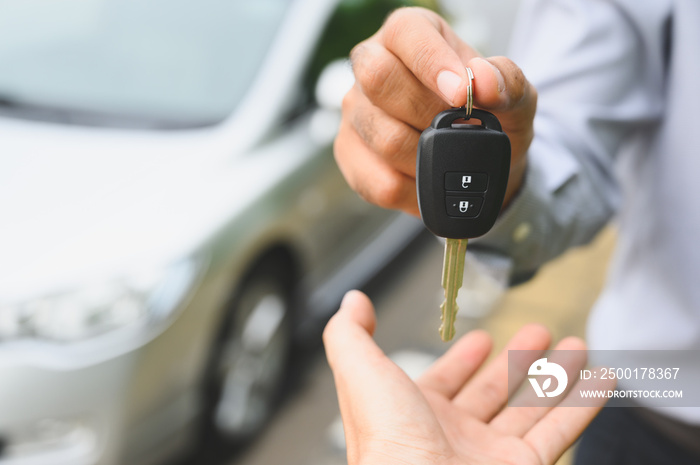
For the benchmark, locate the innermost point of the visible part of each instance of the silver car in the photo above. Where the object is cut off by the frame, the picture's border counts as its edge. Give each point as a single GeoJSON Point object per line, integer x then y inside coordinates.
{"type": "Point", "coordinates": [171, 219]}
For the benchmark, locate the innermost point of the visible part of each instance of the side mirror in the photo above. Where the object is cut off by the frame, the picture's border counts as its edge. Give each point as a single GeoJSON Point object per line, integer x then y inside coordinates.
{"type": "Point", "coordinates": [333, 83]}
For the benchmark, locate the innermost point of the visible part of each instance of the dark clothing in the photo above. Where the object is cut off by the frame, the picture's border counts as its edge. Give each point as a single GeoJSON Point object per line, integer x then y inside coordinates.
{"type": "Point", "coordinates": [622, 436]}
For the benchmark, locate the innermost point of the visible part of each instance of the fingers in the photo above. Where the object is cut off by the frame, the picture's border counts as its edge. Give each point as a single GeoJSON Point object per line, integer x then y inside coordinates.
{"type": "Point", "coordinates": [371, 176]}
{"type": "Point", "coordinates": [552, 435]}
{"type": "Point", "coordinates": [430, 50]}
{"type": "Point", "coordinates": [388, 84]}
{"type": "Point", "coordinates": [434, 56]}
{"type": "Point", "coordinates": [487, 392]}
{"type": "Point", "coordinates": [527, 409]}
{"type": "Point", "coordinates": [357, 364]}
{"type": "Point", "coordinates": [350, 330]}
{"type": "Point", "coordinates": [377, 399]}
{"type": "Point", "coordinates": [499, 84]}
{"type": "Point", "coordinates": [356, 361]}
{"type": "Point", "coordinates": [390, 139]}
{"type": "Point", "coordinates": [449, 373]}
{"type": "Point", "coordinates": [410, 70]}
{"type": "Point", "coordinates": [501, 87]}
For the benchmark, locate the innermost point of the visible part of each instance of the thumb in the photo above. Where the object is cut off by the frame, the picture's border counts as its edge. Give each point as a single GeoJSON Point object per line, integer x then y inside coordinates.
{"type": "Point", "coordinates": [349, 333]}
{"type": "Point", "coordinates": [360, 369]}
{"type": "Point", "coordinates": [500, 85]}
{"type": "Point", "coordinates": [364, 376]}
{"type": "Point", "coordinates": [374, 395]}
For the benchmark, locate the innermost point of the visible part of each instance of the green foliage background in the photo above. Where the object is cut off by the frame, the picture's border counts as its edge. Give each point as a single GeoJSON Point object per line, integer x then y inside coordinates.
{"type": "Point", "coordinates": [354, 21]}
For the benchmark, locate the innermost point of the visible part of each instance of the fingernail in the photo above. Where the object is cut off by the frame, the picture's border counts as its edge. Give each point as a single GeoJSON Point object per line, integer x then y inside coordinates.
{"type": "Point", "coordinates": [497, 72]}
{"type": "Point", "coordinates": [448, 83]}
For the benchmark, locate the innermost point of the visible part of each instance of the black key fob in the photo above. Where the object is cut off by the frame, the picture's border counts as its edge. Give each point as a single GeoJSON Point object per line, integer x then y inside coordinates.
{"type": "Point", "coordinates": [462, 174]}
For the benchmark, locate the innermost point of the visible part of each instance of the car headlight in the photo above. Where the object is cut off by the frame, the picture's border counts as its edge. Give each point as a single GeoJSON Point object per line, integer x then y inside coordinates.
{"type": "Point", "coordinates": [143, 297]}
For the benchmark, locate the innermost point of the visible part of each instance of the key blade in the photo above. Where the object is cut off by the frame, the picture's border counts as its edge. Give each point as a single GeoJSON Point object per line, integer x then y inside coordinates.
{"type": "Point", "coordinates": [452, 276]}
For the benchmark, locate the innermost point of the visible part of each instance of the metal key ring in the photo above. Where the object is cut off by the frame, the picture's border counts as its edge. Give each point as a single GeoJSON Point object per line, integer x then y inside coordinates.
{"type": "Point", "coordinates": [470, 93]}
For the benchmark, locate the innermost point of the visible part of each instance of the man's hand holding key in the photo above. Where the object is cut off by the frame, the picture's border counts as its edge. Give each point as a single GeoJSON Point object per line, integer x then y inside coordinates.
{"type": "Point", "coordinates": [413, 68]}
{"type": "Point", "coordinates": [409, 71]}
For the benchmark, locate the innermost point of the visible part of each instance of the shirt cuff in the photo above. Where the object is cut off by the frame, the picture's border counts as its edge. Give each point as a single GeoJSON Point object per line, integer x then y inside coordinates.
{"type": "Point", "coordinates": [515, 234]}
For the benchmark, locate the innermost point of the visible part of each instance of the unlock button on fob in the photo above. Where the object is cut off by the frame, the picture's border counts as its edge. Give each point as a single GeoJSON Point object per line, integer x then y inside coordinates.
{"type": "Point", "coordinates": [466, 182]}
{"type": "Point", "coordinates": [463, 207]}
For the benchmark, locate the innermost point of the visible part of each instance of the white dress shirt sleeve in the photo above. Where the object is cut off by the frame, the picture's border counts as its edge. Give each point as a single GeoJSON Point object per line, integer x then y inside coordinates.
{"type": "Point", "coordinates": [598, 66]}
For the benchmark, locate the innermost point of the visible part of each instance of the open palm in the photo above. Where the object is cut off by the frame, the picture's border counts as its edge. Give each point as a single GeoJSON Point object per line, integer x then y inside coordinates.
{"type": "Point", "coordinates": [451, 414]}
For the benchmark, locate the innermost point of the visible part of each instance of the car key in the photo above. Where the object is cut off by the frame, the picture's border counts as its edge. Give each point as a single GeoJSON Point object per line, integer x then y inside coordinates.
{"type": "Point", "coordinates": [461, 179]}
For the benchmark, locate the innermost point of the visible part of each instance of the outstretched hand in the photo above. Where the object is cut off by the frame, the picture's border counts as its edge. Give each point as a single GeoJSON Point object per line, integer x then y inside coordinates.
{"type": "Point", "coordinates": [452, 414]}
{"type": "Point", "coordinates": [406, 73]}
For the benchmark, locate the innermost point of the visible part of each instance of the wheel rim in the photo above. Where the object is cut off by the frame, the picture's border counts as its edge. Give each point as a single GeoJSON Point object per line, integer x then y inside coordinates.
{"type": "Point", "coordinates": [252, 361]}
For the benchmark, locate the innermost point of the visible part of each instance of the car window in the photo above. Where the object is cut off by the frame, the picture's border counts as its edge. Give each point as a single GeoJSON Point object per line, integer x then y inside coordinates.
{"type": "Point", "coordinates": [182, 61]}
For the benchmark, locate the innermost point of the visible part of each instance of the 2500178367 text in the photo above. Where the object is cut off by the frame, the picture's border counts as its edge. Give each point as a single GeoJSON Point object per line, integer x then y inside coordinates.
{"type": "Point", "coordinates": [630, 373]}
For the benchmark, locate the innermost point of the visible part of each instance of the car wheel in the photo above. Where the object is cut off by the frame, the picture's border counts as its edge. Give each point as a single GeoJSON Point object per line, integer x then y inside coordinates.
{"type": "Point", "coordinates": [250, 359]}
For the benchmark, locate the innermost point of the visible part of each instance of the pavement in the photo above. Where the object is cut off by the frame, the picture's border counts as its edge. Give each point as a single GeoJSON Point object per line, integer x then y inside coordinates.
{"type": "Point", "coordinates": [308, 431]}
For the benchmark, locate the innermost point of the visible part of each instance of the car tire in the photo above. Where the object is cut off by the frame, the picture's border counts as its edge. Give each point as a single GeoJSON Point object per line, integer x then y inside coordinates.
{"type": "Point", "coordinates": [250, 359]}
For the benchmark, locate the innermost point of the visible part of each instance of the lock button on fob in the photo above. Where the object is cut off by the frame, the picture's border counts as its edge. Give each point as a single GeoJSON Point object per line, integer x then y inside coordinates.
{"type": "Point", "coordinates": [463, 207]}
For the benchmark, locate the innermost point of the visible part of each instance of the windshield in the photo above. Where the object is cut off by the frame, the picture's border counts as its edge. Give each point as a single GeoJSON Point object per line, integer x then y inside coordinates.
{"type": "Point", "coordinates": [179, 61]}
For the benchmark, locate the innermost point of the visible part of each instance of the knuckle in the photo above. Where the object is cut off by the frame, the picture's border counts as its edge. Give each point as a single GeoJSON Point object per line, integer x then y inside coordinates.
{"type": "Point", "coordinates": [405, 17]}
{"type": "Point", "coordinates": [361, 189]}
{"type": "Point", "coordinates": [372, 70]}
{"type": "Point", "coordinates": [391, 144]}
{"type": "Point", "coordinates": [357, 53]}
{"type": "Point", "coordinates": [409, 25]}
{"type": "Point", "coordinates": [425, 56]}
{"type": "Point", "coordinates": [384, 188]}
{"type": "Point", "coordinates": [365, 127]}
{"type": "Point", "coordinates": [353, 179]}
{"type": "Point", "coordinates": [348, 102]}
{"type": "Point", "coordinates": [424, 109]}
{"type": "Point", "coordinates": [398, 19]}
{"type": "Point", "coordinates": [388, 192]}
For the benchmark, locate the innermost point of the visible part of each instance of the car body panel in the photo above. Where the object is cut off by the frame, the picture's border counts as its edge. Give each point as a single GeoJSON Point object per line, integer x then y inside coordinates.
{"type": "Point", "coordinates": [82, 205]}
